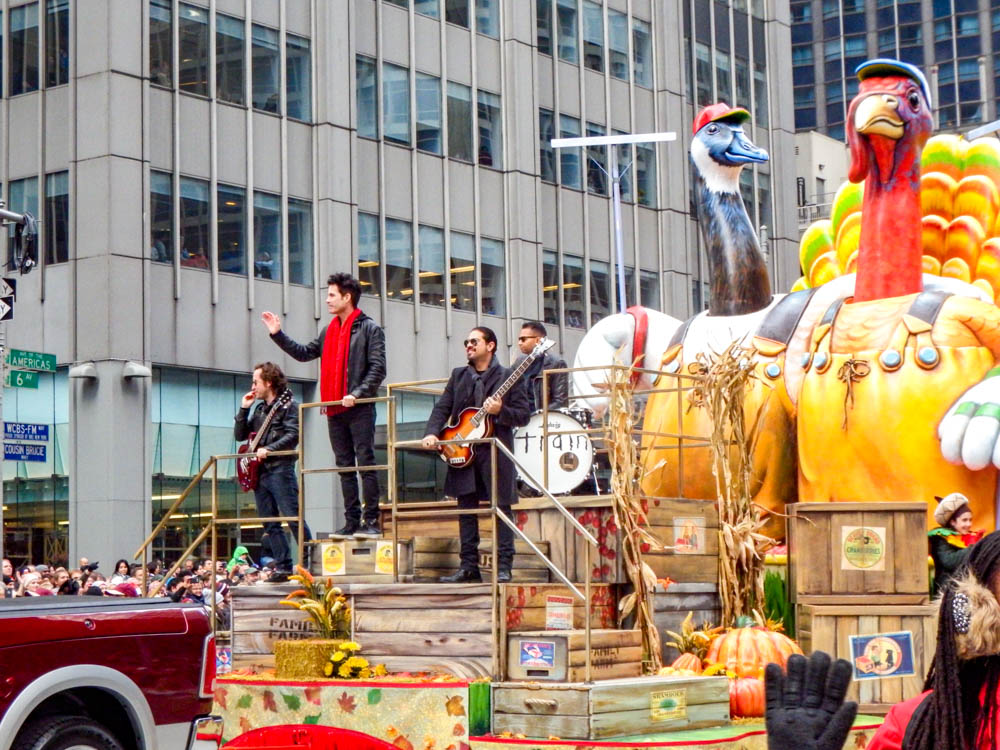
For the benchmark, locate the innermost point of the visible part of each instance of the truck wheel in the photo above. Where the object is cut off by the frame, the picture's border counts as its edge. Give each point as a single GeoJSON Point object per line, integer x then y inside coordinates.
{"type": "Point", "coordinates": [66, 733]}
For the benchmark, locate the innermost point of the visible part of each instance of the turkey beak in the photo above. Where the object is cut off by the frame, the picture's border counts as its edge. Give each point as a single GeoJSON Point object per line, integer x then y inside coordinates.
{"type": "Point", "coordinates": [877, 115]}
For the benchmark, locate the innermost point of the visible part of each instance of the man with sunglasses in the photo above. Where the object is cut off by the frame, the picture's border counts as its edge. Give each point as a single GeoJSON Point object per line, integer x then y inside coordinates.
{"type": "Point", "coordinates": [558, 385]}
{"type": "Point", "coordinates": [474, 386]}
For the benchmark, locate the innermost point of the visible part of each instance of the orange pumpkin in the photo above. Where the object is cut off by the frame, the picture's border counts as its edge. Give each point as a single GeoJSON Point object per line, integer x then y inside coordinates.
{"type": "Point", "coordinates": [746, 697]}
{"type": "Point", "coordinates": [746, 651]}
{"type": "Point", "coordinates": [688, 661]}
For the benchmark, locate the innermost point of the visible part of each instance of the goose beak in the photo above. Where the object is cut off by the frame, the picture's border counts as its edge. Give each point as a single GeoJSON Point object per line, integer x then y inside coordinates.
{"type": "Point", "coordinates": [742, 151]}
{"type": "Point", "coordinates": [877, 115]}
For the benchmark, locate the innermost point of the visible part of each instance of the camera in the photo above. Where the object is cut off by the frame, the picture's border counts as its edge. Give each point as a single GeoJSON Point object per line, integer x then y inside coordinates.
{"type": "Point", "coordinates": [91, 567]}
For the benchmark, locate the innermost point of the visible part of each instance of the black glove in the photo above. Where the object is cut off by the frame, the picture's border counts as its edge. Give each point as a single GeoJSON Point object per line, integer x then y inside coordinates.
{"type": "Point", "coordinates": [806, 708]}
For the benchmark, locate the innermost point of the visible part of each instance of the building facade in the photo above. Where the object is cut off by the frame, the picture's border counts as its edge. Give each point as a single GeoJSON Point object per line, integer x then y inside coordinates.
{"type": "Point", "coordinates": [196, 163]}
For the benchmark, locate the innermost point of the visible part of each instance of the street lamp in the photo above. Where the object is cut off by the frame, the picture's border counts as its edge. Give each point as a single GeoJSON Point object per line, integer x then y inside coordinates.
{"type": "Point", "coordinates": [615, 175]}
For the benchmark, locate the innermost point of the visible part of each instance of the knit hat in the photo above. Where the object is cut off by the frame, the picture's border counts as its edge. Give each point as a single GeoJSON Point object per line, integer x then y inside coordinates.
{"type": "Point", "coordinates": [949, 506]}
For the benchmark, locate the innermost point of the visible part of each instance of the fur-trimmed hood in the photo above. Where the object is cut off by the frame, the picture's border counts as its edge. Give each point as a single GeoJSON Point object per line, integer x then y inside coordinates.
{"type": "Point", "coordinates": [983, 636]}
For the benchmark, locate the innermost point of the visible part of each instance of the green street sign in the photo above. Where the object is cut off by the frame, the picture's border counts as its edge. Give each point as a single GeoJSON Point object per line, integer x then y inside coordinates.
{"type": "Point", "coordinates": [31, 360]}
{"type": "Point", "coordinates": [20, 379]}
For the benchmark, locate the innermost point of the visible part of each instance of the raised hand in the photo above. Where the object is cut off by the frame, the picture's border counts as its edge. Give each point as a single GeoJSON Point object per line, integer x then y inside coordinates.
{"type": "Point", "coordinates": [805, 709]}
{"type": "Point", "coordinates": [248, 399]}
{"type": "Point", "coordinates": [272, 321]}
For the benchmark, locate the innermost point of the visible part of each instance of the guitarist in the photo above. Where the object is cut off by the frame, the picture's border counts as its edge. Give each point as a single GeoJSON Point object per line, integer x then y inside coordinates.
{"type": "Point", "coordinates": [277, 491]}
{"type": "Point", "coordinates": [473, 386]}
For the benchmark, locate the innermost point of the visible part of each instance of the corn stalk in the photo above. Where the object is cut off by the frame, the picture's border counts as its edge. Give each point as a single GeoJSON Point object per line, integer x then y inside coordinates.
{"type": "Point", "coordinates": [630, 517]}
{"type": "Point", "coordinates": [722, 385]}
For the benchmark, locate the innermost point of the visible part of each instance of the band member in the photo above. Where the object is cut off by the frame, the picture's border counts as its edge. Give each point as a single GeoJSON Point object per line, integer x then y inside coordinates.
{"type": "Point", "coordinates": [474, 386]}
{"type": "Point", "coordinates": [277, 492]}
{"type": "Point", "coordinates": [352, 367]}
{"type": "Point", "coordinates": [531, 333]}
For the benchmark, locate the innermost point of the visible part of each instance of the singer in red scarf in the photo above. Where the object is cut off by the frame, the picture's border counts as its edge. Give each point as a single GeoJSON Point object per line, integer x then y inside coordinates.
{"type": "Point", "coordinates": [351, 350]}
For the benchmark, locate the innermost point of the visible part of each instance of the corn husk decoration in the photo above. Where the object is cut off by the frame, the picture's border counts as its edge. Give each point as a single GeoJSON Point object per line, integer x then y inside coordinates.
{"type": "Point", "coordinates": [722, 383]}
{"type": "Point", "coordinates": [323, 602]}
{"type": "Point", "coordinates": [626, 474]}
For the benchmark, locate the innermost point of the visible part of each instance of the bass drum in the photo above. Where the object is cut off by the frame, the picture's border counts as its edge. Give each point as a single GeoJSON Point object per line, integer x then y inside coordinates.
{"type": "Point", "coordinates": [569, 457]}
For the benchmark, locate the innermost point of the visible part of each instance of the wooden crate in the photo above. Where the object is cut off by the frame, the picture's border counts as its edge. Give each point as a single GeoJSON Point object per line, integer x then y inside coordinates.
{"type": "Point", "coordinates": [610, 708]}
{"type": "Point", "coordinates": [561, 655]}
{"type": "Point", "coordinates": [539, 607]}
{"type": "Point", "coordinates": [672, 604]}
{"type": "Point", "coordinates": [434, 557]}
{"type": "Point", "coordinates": [830, 627]}
{"type": "Point", "coordinates": [840, 553]}
{"type": "Point", "coordinates": [361, 557]}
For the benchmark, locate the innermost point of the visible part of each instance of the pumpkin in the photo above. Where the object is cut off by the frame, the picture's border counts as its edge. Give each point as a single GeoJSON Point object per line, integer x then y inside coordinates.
{"type": "Point", "coordinates": [746, 651]}
{"type": "Point", "coordinates": [746, 697]}
{"type": "Point", "coordinates": [688, 661]}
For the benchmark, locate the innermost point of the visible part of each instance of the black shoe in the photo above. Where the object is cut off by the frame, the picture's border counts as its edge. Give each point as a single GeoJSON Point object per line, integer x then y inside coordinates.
{"type": "Point", "coordinates": [464, 575]}
{"type": "Point", "coordinates": [368, 531]}
{"type": "Point", "coordinates": [503, 576]}
{"type": "Point", "coordinates": [280, 575]}
{"type": "Point", "coordinates": [347, 531]}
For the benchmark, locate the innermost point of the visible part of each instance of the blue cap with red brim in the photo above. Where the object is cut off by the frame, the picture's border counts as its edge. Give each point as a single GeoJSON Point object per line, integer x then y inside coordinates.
{"type": "Point", "coordinates": [884, 66]}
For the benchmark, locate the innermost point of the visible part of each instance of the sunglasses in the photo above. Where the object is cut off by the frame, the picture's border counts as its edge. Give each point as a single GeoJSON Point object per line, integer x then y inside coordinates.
{"type": "Point", "coordinates": [471, 342]}
{"type": "Point", "coordinates": [526, 338]}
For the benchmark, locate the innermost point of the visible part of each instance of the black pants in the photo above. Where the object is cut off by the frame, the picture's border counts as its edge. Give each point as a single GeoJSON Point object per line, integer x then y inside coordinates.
{"type": "Point", "coordinates": [352, 437]}
{"type": "Point", "coordinates": [277, 494]}
{"type": "Point", "coordinates": [468, 530]}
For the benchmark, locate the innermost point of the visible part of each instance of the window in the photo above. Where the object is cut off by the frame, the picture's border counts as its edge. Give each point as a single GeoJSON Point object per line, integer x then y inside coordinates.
{"type": "Point", "coordinates": [229, 37]}
{"type": "Point", "coordinates": [23, 49]}
{"type": "Point", "coordinates": [366, 85]}
{"type": "Point", "coordinates": [428, 113]}
{"type": "Point", "coordinates": [368, 255]}
{"type": "Point", "coordinates": [569, 158]}
{"type": "Point", "coordinates": [488, 17]}
{"type": "Point", "coordinates": [834, 92]}
{"type": "Point", "coordinates": [298, 78]}
{"type": "Point", "coordinates": [625, 170]}
{"type": "Point", "coordinates": [597, 163]}
{"type": "Point", "coordinates": [805, 97]}
{"type": "Point", "coordinates": [593, 36]}
{"type": "Point", "coordinates": [760, 95]}
{"type": "Point", "coordinates": [57, 217]}
{"type": "Point", "coordinates": [300, 242]}
{"type": "Point", "coordinates": [266, 69]}
{"type": "Point", "coordinates": [831, 49]}
{"type": "Point", "coordinates": [645, 175]}
{"type": "Point", "coordinates": [910, 35]}
{"type": "Point", "coordinates": [431, 266]}
{"type": "Point", "coordinates": [192, 69]}
{"type": "Point", "coordinates": [492, 273]}
{"type": "Point", "coordinates": [600, 300]}
{"type": "Point", "coordinates": [23, 197]}
{"type": "Point", "coordinates": [746, 192]}
{"type": "Point", "coordinates": [459, 121]}
{"type": "Point", "coordinates": [463, 271]}
{"type": "Point", "coordinates": [267, 236]}
{"type": "Point", "coordinates": [703, 72]}
{"type": "Point", "coordinates": [56, 42]}
{"type": "Point", "coordinates": [457, 12]}
{"type": "Point", "coordinates": [967, 25]}
{"type": "Point", "coordinates": [232, 232]}
{"type": "Point", "coordinates": [550, 286]}
{"type": "Point", "coordinates": [642, 53]}
{"type": "Point", "coordinates": [802, 55]}
{"type": "Point", "coordinates": [490, 135]}
{"type": "Point", "coordinates": [546, 154]}
{"type": "Point", "coordinates": [854, 46]}
{"type": "Point", "coordinates": [161, 43]}
{"type": "Point", "coordinates": [764, 199]}
{"type": "Point", "coordinates": [968, 70]}
{"type": "Point", "coordinates": [427, 7]}
{"type": "Point", "coordinates": [161, 212]}
{"type": "Point", "coordinates": [942, 30]}
{"type": "Point", "coordinates": [543, 26]}
{"type": "Point", "coordinates": [629, 286]}
{"type": "Point", "coordinates": [572, 290]}
{"type": "Point", "coordinates": [742, 83]}
{"type": "Point", "coordinates": [399, 260]}
{"type": "Point", "coordinates": [649, 289]}
{"type": "Point", "coordinates": [395, 104]}
{"type": "Point", "coordinates": [194, 223]}
{"type": "Point", "coordinates": [566, 19]}
{"type": "Point", "coordinates": [618, 44]}
{"type": "Point", "coordinates": [723, 74]}
{"type": "Point", "coordinates": [802, 12]}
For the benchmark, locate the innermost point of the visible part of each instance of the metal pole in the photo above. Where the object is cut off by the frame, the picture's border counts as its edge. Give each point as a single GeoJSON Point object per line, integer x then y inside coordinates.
{"type": "Point", "coordinates": [3, 368]}
{"type": "Point", "coordinates": [616, 202]}
{"type": "Point", "coordinates": [495, 589]}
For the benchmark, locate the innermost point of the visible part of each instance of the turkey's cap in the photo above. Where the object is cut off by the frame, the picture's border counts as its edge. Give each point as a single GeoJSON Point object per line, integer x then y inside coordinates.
{"type": "Point", "coordinates": [885, 66]}
{"type": "Point", "coordinates": [948, 506]}
{"type": "Point", "coordinates": [716, 112]}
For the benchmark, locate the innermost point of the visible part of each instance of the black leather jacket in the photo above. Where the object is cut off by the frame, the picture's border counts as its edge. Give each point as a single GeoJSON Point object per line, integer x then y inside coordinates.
{"type": "Point", "coordinates": [282, 435]}
{"type": "Point", "coordinates": [365, 360]}
{"type": "Point", "coordinates": [558, 384]}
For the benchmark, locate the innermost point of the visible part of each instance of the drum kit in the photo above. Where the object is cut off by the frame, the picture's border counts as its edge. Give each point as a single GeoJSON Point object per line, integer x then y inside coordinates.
{"type": "Point", "coordinates": [569, 460]}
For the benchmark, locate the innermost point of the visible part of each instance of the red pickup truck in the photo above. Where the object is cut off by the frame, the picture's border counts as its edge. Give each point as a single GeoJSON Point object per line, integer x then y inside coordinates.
{"type": "Point", "coordinates": [86, 673]}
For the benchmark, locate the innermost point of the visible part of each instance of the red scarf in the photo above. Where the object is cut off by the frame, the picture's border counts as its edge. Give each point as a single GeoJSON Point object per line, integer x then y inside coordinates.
{"type": "Point", "coordinates": [333, 365]}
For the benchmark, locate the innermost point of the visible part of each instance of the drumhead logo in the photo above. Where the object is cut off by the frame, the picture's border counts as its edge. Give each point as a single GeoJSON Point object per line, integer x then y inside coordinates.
{"type": "Point", "coordinates": [863, 547]}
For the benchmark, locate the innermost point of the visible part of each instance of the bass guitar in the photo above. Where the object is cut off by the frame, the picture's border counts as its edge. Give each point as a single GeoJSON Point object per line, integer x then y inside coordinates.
{"type": "Point", "coordinates": [474, 423]}
{"type": "Point", "coordinates": [248, 466]}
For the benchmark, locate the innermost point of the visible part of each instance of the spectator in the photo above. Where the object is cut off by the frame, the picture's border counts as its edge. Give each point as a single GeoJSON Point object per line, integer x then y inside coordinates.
{"type": "Point", "coordinates": [29, 584]}
{"type": "Point", "coordinates": [122, 572]}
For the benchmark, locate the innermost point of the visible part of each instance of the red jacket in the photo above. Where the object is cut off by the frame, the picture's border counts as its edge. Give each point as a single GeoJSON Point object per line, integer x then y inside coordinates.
{"type": "Point", "coordinates": [890, 735]}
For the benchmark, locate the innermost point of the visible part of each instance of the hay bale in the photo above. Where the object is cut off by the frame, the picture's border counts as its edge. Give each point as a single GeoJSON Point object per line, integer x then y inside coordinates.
{"type": "Point", "coordinates": [303, 659]}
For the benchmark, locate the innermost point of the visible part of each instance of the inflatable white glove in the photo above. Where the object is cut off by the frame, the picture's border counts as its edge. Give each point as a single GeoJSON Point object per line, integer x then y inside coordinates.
{"type": "Point", "coordinates": [969, 430]}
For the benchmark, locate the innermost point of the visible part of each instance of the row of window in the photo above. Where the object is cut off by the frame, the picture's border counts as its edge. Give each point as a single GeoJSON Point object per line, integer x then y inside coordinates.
{"type": "Point", "coordinates": [29, 58]}
{"type": "Point", "coordinates": [568, 169]}
{"type": "Point", "coordinates": [433, 117]}
{"type": "Point", "coordinates": [234, 216]}
{"type": "Point", "coordinates": [193, 59]}
{"type": "Point", "coordinates": [457, 12]}
{"type": "Point", "coordinates": [485, 291]}
{"type": "Point", "coordinates": [572, 286]}
{"type": "Point", "coordinates": [557, 29]}
{"type": "Point", "coordinates": [23, 196]}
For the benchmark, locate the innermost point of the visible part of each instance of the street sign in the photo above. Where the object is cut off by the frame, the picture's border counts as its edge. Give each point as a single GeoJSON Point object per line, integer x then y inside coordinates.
{"type": "Point", "coordinates": [23, 452]}
{"type": "Point", "coordinates": [20, 379]}
{"type": "Point", "coordinates": [31, 360]}
{"type": "Point", "coordinates": [25, 431]}
{"type": "Point", "coordinates": [6, 308]}
{"type": "Point", "coordinates": [8, 287]}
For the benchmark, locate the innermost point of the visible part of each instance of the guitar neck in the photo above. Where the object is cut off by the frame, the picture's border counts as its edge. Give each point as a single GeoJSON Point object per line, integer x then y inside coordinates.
{"type": "Point", "coordinates": [505, 386]}
{"type": "Point", "coordinates": [267, 423]}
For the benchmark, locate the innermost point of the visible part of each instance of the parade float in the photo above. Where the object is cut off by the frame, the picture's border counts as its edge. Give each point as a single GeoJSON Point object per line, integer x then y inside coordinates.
{"type": "Point", "coordinates": [827, 418]}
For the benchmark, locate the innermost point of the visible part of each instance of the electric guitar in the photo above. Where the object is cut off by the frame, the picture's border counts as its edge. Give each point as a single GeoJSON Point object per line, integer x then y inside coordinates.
{"type": "Point", "coordinates": [474, 422]}
{"type": "Point", "coordinates": [248, 466]}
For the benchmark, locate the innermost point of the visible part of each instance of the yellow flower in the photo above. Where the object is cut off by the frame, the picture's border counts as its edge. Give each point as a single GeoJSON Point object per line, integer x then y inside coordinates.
{"type": "Point", "coordinates": [328, 669]}
{"type": "Point", "coordinates": [337, 656]}
{"type": "Point", "coordinates": [350, 646]}
{"type": "Point", "coordinates": [357, 662]}
{"type": "Point", "coordinates": [380, 670]}
{"type": "Point", "coordinates": [365, 673]}
{"type": "Point", "coordinates": [344, 671]}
